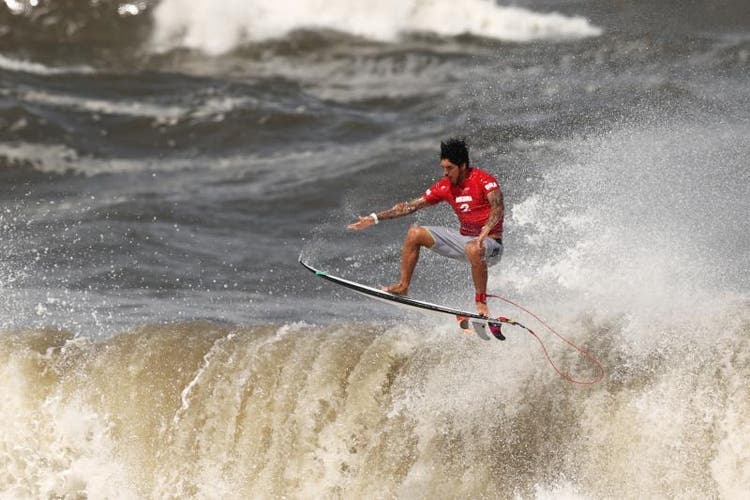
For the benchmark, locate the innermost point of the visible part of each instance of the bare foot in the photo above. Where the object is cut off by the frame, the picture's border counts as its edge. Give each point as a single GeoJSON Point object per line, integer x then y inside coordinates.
{"type": "Point", "coordinates": [482, 309]}
{"type": "Point", "coordinates": [396, 289]}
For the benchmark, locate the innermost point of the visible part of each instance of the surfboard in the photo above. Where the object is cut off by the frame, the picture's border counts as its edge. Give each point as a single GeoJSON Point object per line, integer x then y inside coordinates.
{"type": "Point", "coordinates": [480, 324]}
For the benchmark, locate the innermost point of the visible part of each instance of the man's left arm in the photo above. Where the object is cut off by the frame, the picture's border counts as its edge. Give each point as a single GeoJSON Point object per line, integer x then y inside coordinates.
{"type": "Point", "coordinates": [497, 212]}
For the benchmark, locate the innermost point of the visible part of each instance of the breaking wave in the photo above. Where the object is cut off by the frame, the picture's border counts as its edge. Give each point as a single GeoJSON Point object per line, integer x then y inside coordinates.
{"type": "Point", "coordinates": [217, 27]}
{"type": "Point", "coordinates": [204, 410]}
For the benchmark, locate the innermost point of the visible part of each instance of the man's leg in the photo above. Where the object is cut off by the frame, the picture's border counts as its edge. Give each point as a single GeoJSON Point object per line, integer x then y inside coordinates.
{"type": "Point", "coordinates": [416, 238]}
{"type": "Point", "coordinates": [475, 255]}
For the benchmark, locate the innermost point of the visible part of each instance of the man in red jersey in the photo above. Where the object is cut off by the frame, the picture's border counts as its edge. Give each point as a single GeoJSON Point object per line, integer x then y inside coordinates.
{"type": "Point", "coordinates": [477, 200]}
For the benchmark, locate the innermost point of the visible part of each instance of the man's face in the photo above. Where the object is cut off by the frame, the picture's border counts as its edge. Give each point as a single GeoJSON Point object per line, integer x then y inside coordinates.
{"type": "Point", "coordinates": [452, 171]}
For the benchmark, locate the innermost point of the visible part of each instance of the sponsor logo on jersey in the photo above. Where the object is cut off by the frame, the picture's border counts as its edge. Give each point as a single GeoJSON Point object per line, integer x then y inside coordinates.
{"type": "Point", "coordinates": [463, 199]}
{"type": "Point", "coordinates": [490, 185]}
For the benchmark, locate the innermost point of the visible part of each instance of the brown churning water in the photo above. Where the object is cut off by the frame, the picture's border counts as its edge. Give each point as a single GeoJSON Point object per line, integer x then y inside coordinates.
{"type": "Point", "coordinates": [206, 411]}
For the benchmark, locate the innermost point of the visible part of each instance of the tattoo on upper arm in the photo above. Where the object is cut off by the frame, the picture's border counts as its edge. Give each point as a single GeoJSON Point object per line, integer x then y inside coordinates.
{"type": "Point", "coordinates": [495, 198]}
{"type": "Point", "coordinates": [497, 208]}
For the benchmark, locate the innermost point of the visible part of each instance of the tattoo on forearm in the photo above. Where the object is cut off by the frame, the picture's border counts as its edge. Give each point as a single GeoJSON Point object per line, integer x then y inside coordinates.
{"type": "Point", "coordinates": [403, 208]}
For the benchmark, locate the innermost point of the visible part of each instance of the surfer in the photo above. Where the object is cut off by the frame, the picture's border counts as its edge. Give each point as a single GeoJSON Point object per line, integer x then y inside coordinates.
{"type": "Point", "coordinates": [477, 199]}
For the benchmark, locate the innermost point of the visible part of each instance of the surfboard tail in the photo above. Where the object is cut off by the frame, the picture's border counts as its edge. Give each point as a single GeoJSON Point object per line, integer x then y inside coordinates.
{"type": "Point", "coordinates": [480, 327]}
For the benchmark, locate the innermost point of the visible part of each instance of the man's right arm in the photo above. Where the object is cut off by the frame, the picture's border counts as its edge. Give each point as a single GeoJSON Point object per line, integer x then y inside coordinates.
{"type": "Point", "coordinates": [398, 210]}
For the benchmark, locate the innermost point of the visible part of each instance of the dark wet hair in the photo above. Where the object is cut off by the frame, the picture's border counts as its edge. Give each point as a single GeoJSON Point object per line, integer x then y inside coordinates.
{"type": "Point", "coordinates": [455, 150]}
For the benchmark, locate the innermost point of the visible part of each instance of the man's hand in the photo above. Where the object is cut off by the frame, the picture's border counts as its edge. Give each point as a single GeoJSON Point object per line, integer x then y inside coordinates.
{"type": "Point", "coordinates": [362, 223]}
{"type": "Point", "coordinates": [482, 236]}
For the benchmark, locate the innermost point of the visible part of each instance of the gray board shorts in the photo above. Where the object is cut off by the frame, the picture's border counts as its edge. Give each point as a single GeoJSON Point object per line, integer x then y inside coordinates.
{"type": "Point", "coordinates": [450, 243]}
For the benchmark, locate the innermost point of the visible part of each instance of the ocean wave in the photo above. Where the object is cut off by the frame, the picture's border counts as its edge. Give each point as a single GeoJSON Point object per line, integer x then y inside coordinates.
{"type": "Point", "coordinates": [92, 23]}
{"type": "Point", "coordinates": [10, 64]}
{"type": "Point", "coordinates": [61, 159]}
{"type": "Point", "coordinates": [109, 107]}
{"type": "Point", "coordinates": [219, 27]}
{"type": "Point", "coordinates": [207, 410]}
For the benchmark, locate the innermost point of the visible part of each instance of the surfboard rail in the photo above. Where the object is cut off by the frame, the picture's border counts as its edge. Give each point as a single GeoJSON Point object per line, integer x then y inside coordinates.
{"type": "Point", "coordinates": [475, 319]}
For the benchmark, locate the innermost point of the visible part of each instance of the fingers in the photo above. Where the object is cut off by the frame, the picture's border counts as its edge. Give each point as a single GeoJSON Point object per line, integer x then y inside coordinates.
{"type": "Point", "coordinates": [477, 244]}
{"type": "Point", "coordinates": [362, 223]}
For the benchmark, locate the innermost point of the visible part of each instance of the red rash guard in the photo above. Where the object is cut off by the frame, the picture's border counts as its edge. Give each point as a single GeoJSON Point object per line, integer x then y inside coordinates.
{"type": "Point", "coordinates": [468, 199]}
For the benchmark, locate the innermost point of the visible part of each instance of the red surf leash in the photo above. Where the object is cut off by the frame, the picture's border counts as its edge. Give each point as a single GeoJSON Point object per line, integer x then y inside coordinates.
{"type": "Point", "coordinates": [578, 348]}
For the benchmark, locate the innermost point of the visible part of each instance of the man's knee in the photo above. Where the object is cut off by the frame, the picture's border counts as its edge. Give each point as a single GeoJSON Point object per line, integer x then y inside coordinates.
{"type": "Point", "coordinates": [474, 252]}
{"type": "Point", "coordinates": [420, 236]}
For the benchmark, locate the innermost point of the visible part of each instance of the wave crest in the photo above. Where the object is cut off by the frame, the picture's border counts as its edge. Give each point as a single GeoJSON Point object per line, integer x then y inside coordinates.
{"type": "Point", "coordinates": [207, 410]}
{"type": "Point", "coordinates": [217, 27]}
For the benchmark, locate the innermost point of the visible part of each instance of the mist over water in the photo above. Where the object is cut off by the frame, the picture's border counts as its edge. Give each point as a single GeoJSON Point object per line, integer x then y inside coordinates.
{"type": "Point", "coordinates": [164, 164]}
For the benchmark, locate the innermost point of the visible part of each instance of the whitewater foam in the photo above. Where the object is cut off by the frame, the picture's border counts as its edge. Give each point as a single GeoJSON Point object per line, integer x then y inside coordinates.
{"type": "Point", "coordinates": [164, 114]}
{"type": "Point", "coordinates": [629, 223]}
{"type": "Point", "coordinates": [217, 27]}
{"type": "Point", "coordinates": [209, 108]}
{"type": "Point", "coordinates": [349, 410]}
{"type": "Point", "coordinates": [10, 64]}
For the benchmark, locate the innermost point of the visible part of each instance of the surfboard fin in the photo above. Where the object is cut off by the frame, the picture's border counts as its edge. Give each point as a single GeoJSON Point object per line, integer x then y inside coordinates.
{"type": "Point", "coordinates": [464, 324]}
{"type": "Point", "coordinates": [496, 331]}
{"type": "Point", "coordinates": [481, 328]}
{"type": "Point", "coordinates": [471, 325]}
